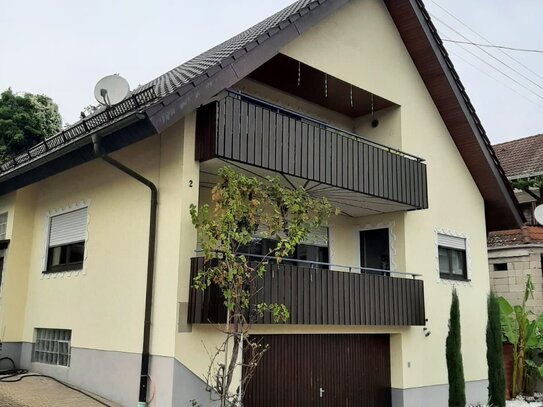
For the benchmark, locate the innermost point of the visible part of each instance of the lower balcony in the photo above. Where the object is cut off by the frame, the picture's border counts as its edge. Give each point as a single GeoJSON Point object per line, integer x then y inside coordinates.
{"type": "Point", "coordinates": [322, 294]}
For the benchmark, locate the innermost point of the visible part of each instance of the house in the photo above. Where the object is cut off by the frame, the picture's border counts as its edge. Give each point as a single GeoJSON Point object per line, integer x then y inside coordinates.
{"type": "Point", "coordinates": [515, 253]}
{"type": "Point", "coordinates": [354, 100]}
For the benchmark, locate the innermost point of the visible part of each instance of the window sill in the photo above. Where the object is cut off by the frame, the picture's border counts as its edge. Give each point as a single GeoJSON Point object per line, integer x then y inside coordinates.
{"type": "Point", "coordinates": [50, 364]}
{"type": "Point", "coordinates": [63, 268]}
{"type": "Point", "coordinates": [454, 278]}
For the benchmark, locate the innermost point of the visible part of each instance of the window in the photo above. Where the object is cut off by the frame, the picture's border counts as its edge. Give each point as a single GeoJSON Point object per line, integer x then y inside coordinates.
{"type": "Point", "coordinates": [452, 257]}
{"type": "Point", "coordinates": [3, 225]}
{"type": "Point", "coordinates": [66, 248]}
{"type": "Point", "coordinates": [53, 346]}
{"type": "Point", "coordinates": [1, 269]}
{"type": "Point", "coordinates": [375, 249]}
{"type": "Point", "coordinates": [500, 267]}
{"type": "Point", "coordinates": [313, 249]}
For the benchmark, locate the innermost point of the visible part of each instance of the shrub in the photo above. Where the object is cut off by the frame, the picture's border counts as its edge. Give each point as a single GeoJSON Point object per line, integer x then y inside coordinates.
{"type": "Point", "coordinates": [453, 352]}
{"type": "Point", "coordinates": [494, 354]}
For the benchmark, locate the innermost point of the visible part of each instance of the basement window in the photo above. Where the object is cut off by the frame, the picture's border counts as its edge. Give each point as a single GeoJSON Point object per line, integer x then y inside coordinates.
{"type": "Point", "coordinates": [52, 346]}
{"type": "Point", "coordinates": [66, 246]}
{"type": "Point", "coordinates": [452, 257]}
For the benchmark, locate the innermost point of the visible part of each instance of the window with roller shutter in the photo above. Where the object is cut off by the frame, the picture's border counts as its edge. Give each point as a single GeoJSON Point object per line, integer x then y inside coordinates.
{"type": "Point", "coordinates": [66, 246]}
{"type": "Point", "coordinates": [452, 257]}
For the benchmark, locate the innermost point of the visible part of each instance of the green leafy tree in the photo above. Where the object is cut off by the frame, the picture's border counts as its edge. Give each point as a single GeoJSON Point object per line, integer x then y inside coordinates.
{"type": "Point", "coordinates": [25, 120]}
{"type": "Point", "coordinates": [494, 354]}
{"type": "Point", "coordinates": [529, 182]}
{"type": "Point", "coordinates": [453, 351]}
{"type": "Point", "coordinates": [243, 205]}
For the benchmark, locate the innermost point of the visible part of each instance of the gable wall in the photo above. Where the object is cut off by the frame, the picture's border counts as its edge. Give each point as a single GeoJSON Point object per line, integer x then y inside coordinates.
{"type": "Point", "coordinates": [361, 45]}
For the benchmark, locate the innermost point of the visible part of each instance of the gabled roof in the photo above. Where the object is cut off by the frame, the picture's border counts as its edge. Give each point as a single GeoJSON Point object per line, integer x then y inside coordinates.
{"type": "Point", "coordinates": [184, 73]}
{"type": "Point", "coordinates": [199, 78]}
{"type": "Point", "coordinates": [172, 95]}
{"type": "Point", "coordinates": [521, 158]}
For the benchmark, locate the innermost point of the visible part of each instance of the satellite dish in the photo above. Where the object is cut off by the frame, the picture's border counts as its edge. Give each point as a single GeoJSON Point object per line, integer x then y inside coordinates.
{"type": "Point", "coordinates": [538, 214]}
{"type": "Point", "coordinates": [111, 90]}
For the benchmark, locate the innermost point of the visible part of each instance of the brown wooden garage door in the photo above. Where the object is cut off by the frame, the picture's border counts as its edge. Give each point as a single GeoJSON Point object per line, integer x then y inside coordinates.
{"type": "Point", "coordinates": [352, 370]}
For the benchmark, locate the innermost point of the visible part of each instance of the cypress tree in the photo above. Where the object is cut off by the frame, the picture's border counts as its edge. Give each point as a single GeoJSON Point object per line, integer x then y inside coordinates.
{"type": "Point", "coordinates": [494, 354]}
{"type": "Point", "coordinates": [453, 352]}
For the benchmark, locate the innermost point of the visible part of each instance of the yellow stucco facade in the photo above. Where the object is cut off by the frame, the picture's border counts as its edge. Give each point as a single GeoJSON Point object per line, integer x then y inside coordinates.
{"type": "Point", "coordinates": [368, 52]}
{"type": "Point", "coordinates": [103, 304]}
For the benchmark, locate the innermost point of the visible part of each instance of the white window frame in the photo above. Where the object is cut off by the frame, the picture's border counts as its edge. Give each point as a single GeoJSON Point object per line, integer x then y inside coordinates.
{"type": "Point", "coordinates": [460, 235]}
{"type": "Point", "coordinates": [4, 237]}
{"type": "Point", "coordinates": [391, 241]}
{"type": "Point", "coordinates": [47, 230]}
{"type": "Point", "coordinates": [48, 332]}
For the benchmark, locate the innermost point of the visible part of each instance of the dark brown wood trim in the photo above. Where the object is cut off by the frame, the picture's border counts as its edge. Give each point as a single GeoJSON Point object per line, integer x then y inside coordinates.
{"type": "Point", "coordinates": [443, 83]}
{"type": "Point", "coordinates": [321, 297]}
{"type": "Point", "coordinates": [233, 128]}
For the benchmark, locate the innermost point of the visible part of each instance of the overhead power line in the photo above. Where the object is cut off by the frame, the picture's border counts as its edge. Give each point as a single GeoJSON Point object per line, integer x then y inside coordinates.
{"type": "Point", "coordinates": [501, 72]}
{"type": "Point", "coordinates": [494, 78]}
{"type": "Point", "coordinates": [489, 54]}
{"type": "Point", "coordinates": [494, 46]}
{"type": "Point", "coordinates": [487, 40]}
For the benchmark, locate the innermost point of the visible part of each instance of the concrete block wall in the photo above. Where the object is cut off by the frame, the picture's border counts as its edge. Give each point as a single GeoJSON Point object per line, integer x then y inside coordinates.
{"type": "Point", "coordinates": [510, 283]}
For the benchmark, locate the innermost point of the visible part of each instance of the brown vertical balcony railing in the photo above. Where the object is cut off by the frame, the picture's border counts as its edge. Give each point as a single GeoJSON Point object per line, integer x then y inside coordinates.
{"type": "Point", "coordinates": [321, 294]}
{"type": "Point", "coordinates": [243, 129]}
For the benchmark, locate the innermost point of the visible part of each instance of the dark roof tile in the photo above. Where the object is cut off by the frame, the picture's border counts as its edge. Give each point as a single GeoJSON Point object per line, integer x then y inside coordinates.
{"type": "Point", "coordinates": [222, 54]}
{"type": "Point", "coordinates": [521, 158]}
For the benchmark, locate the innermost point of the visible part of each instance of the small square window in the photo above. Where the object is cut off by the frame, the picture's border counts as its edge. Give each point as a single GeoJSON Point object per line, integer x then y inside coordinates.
{"type": "Point", "coordinates": [452, 257]}
{"type": "Point", "coordinates": [500, 267]}
{"type": "Point", "coordinates": [53, 346]}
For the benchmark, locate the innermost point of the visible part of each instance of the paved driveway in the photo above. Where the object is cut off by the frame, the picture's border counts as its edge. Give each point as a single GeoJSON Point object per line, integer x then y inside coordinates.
{"type": "Point", "coordinates": [44, 392]}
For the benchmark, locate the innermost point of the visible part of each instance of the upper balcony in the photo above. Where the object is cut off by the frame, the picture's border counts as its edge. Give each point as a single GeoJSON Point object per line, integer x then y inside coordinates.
{"type": "Point", "coordinates": [358, 175]}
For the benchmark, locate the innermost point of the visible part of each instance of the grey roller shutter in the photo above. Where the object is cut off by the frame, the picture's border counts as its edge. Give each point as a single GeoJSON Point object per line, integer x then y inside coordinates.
{"type": "Point", "coordinates": [453, 242]}
{"type": "Point", "coordinates": [68, 227]}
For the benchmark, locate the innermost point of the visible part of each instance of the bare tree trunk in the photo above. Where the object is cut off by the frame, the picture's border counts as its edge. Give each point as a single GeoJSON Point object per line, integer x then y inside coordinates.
{"type": "Point", "coordinates": [235, 350]}
{"type": "Point", "coordinates": [224, 390]}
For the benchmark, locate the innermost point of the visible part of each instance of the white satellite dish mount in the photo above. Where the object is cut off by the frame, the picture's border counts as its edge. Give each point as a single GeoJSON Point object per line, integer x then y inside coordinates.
{"type": "Point", "coordinates": [538, 214]}
{"type": "Point", "coordinates": [111, 90]}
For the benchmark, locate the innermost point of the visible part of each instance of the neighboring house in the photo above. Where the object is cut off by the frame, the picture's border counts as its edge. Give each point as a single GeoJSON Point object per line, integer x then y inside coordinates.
{"type": "Point", "coordinates": [355, 100]}
{"type": "Point", "coordinates": [513, 254]}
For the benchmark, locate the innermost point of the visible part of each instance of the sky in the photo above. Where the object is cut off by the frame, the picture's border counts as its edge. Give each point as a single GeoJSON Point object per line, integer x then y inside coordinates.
{"type": "Point", "coordinates": [61, 48]}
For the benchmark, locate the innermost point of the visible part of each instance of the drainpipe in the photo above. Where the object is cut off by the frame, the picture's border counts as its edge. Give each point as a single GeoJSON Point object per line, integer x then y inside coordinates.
{"type": "Point", "coordinates": [144, 372]}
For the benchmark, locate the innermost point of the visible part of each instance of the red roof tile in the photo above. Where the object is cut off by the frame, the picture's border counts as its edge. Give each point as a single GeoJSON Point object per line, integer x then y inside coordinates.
{"type": "Point", "coordinates": [516, 237]}
{"type": "Point", "coordinates": [521, 158]}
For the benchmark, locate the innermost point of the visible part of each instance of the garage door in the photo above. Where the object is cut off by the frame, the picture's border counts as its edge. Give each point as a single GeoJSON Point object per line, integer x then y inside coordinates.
{"type": "Point", "coordinates": [322, 370]}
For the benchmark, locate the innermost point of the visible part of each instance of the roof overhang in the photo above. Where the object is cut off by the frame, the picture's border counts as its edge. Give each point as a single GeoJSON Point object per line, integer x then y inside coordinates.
{"type": "Point", "coordinates": [114, 137]}
{"type": "Point", "coordinates": [244, 61]}
{"type": "Point", "coordinates": [436, 69]}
